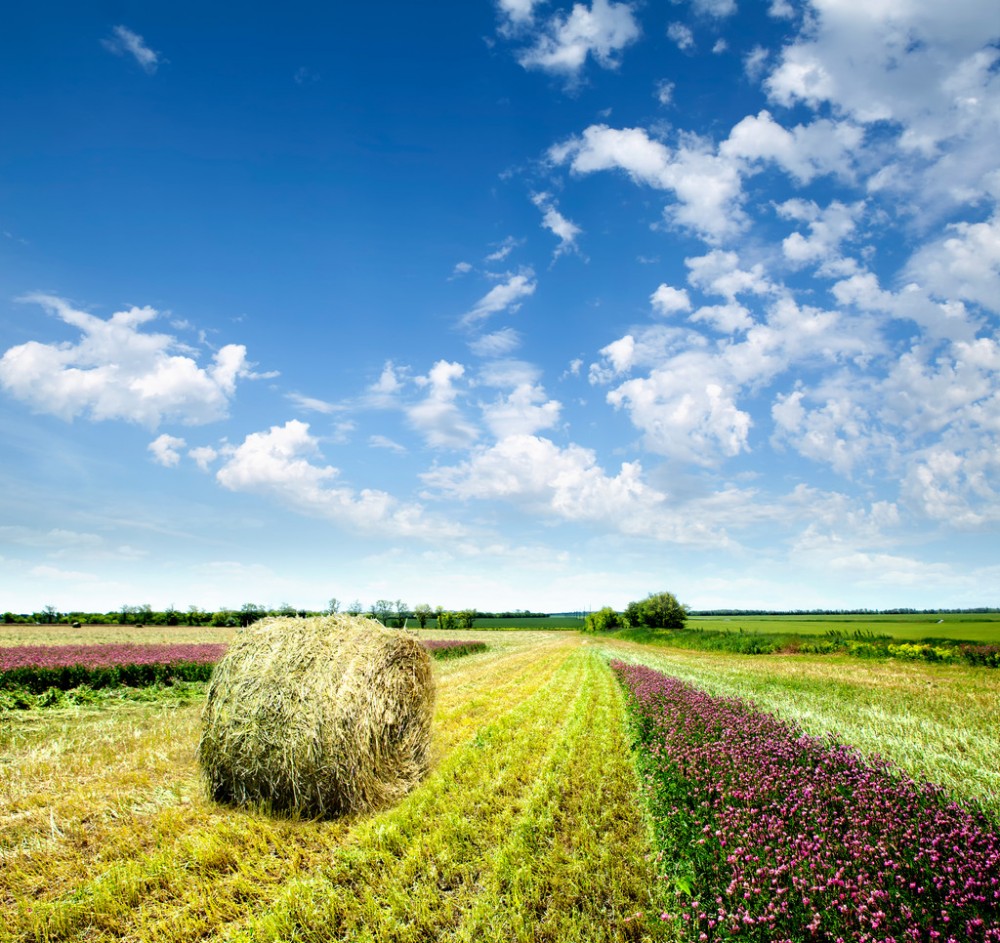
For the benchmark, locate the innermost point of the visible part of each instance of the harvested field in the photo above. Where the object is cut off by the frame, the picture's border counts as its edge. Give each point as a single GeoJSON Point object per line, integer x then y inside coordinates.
{"type": "Point", "coordinates": [107, 834]}
{"type": "Point", "coordinates": [529, 826]}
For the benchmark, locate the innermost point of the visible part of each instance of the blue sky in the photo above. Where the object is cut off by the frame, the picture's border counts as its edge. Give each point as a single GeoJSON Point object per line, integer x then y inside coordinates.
{"type": "Point", "coordinates": [509, 305]}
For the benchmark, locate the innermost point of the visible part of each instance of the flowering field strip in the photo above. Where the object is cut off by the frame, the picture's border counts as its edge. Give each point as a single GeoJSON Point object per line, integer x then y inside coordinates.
{"type": "Point", "coordinates": [36, 668]}
{"type": "Point", "coordinates": [452, 648]}
{"type": "Point", "coordinates": [39, 667]}
{"type": "Point", "coordinates": [774, 835]}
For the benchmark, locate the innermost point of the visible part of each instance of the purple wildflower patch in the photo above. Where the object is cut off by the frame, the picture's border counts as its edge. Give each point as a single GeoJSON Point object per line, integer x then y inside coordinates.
{"type": "Point", "coordinates": [452, 648]}
{"type": "Point", "coordinates": [64, 667]}
{"type": "Point", "coordinates": [775, 835]}
{"type": "Point", "coordinates": [36, 668]}
{"type": "Point", "coordinates": [104, 656]}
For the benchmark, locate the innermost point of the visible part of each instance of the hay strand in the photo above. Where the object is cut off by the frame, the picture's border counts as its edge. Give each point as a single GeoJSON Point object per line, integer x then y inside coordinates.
{"type": "Point", "coordinates": [318, 717]}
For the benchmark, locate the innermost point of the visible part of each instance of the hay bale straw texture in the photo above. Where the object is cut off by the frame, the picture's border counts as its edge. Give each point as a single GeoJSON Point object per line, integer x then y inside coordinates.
{"type": "Point", "coordinates": [318, 717]}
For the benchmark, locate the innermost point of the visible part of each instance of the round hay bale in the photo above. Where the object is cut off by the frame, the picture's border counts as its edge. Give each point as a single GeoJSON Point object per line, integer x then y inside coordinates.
{"type": "Point", "coordinates": [318, 717]}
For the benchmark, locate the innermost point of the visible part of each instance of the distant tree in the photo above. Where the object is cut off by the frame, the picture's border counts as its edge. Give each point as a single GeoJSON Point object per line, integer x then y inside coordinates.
{"type": "Point", "coordinates": [8, 618]}
{"type": "Point", "coordinates": [604, 620]}
{"type": "Point", "coordinates": [332, 607]}
{"type": "Point", "coordinates": [423, 613]}
{"type": "Point", "coordinates": [633, 614]}
{"type": "Point", "coordinates": [467, 618]}
{"type": "Point", "coordinates": [224, 617]}
{"type": "Point", "coordinates": [171, 616]}
{"type": "Point", "coordinates": [194, 615]}
{"type": "Point", "coordinates": [142, 615]}
{"type": "Point", "coordinates": [661, 611]}
{"type": "Point", "coordinates": [286, 609]}
{"type": "Point", "coordinates": [402, 611]}
{"type": "Point", "coordinates": [50, 614]}
{"type": "Point", "coordinates": [354, 609]}
{"type": "Point", "coordinates": [438, 612]}
{"type": "Point", "coordinates": [125, 615]}
{"type": "Point", "coordinates": [447, 620]}
{"type": "Point", "coordinates": [251, 613]}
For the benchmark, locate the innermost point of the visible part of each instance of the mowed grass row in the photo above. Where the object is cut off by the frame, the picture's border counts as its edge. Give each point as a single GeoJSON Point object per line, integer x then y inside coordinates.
{"type": "Point", "coordinates": [940, 723]}
{"type": "Point", "coordinates": [527, 828]}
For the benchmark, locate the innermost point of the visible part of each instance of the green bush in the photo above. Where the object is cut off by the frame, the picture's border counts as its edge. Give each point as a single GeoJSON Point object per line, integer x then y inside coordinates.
{"type": "Point", "coordinates": [604, 620]}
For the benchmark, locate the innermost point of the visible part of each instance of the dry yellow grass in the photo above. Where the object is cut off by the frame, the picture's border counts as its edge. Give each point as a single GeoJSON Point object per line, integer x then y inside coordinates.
{"type": "Point", "coordinates": [11, 635]}
{"type": "Point", "coordinates": [526, 828]}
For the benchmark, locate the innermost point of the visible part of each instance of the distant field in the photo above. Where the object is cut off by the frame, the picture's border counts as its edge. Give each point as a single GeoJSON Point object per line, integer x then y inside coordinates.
{"type": "Point", "coordinates": [61, 634]}
{"type": "Point", "coordinates": [972, 627]}
{"type": "Point", "coordinates": [12, 635]}
{"type": "Point", "coordinates": [553, 622]}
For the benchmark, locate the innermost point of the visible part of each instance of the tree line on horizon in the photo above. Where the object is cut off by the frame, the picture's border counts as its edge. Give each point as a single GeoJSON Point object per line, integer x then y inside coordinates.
{"type": "Point", "coordinates": [655, 611]}
{"type": "Point", "coordinates": [388, 612]}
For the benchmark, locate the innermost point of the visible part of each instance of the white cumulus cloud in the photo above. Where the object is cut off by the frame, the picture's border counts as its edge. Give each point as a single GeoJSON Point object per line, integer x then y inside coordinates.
{"type": "Point", "coordinates": [165, 450]}
{"type": "Point", "coordinates": [964, 265]}
{"type": "Point", "coordinates": [706, 184]}
{"type": "Point", "coordinates": [601, 31]}
{"type": "Point", "coordinates": [805, 151]}
{"type": "Point", "coordinates": [923, 70]}
{"type": "Point", "coordinates": [829, 227]}
{"type": "Point", "coordinates": [524, 411]}
{"type": "Point", "coordinates": [567, 484]}
{"type": "Point", "coordinates": [117, 370]}
{"type": "Point", "coordinates": [681, 35]}
{"type": "Point", "coordinates": [667, 300]}
{"type": "Point", "coordinates": [279, 464]}
{"type": "Point", "coordinates": [437, 416]}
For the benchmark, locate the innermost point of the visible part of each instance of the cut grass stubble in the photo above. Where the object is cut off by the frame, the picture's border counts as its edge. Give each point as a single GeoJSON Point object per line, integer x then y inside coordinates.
{"type": "Point", "coordinates": [526, 829]}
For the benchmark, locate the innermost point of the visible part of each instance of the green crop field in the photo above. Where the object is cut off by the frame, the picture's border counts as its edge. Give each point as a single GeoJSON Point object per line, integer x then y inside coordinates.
{"type": "Point", "coordinates": [530, 826]}
{"type": "Point", "coordinates": [971, 627]}
{"type": "Point", "coordinates": [543, 625]}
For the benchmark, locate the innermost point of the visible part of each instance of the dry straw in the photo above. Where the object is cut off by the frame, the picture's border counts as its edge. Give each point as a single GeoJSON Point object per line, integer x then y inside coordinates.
{"type": "Point", "coordinates": [318, 717]}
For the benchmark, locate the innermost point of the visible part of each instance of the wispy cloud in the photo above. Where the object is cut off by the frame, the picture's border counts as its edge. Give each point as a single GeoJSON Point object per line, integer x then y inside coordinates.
{"type": "Point", "coordinates": [506, 296]}
{"type": "Point", "coordinates": [503, 249]}
{"type": "Point", "coordinates": [306, 76]}
{"type": "Point", "coordinates": [124, 42]}
{"type": "Point", "coordinates": [498, 344]}
{"type": "Point", "coordinates": [311, 404]}
{"type": "Point", "coordinates": [384, 442]}
{"type": "Point", "coordinates": [664, 92]}
{"type": "Point", "coordinates": [681, 35]}
{"type": "Point", "coordinates": [714, 8]}
{"type": "Point", "coordinates": [557, 224]}
{"type": "Point", "coordinates": [280, 463]}
{"type": "Point", "coordinates": [517, 14]}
